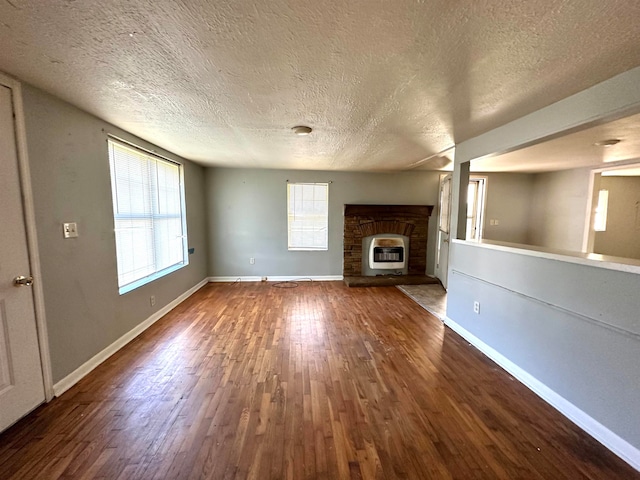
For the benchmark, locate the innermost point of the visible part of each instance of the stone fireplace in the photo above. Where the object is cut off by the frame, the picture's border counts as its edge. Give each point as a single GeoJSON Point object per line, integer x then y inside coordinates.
{"type": "Point", "coordinates": [362, 221]}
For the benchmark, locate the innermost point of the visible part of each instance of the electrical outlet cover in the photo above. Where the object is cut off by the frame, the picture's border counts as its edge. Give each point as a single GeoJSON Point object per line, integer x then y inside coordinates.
{"type": "Point", "coordinates": [70, 230]}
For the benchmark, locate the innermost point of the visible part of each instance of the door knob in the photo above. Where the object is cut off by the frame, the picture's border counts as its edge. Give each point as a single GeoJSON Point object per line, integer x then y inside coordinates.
{"type": "Point", "coordinates": [22, 281]}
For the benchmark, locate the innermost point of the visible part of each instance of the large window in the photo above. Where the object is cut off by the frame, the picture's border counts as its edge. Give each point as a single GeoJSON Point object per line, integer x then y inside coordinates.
{"type": "Point", "coordinates": [149, 215]}
{"type": "Point", "coordinates": [308, 216]}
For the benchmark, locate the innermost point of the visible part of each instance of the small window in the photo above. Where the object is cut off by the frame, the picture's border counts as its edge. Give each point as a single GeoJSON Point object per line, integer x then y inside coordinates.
{"type": "Point", "coordinates": [600, 219]}
{"type": "Point", "coordinates": [308, 216]}
{"type": "Point", "coordinates": [148, 213]}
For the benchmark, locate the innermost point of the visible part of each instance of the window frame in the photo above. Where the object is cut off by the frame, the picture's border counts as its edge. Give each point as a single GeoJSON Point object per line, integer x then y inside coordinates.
{"type": "Point", "coordinates": [150, 156]}
{"type": "Point", "coordinates": [475, 217]}
{"type": "Point", "coordinates": [290, 215]}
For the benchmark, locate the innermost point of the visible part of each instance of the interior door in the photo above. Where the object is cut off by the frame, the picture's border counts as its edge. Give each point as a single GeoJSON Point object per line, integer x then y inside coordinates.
{"type": "Point", "coordinates": [21, 381]}
{"type": "Point", "coordinates": [444, 224]}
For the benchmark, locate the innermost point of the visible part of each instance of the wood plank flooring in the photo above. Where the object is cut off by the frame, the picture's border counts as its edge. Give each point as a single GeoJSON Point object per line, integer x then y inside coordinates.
{"type": "Point", "coordinates": [320, 381]}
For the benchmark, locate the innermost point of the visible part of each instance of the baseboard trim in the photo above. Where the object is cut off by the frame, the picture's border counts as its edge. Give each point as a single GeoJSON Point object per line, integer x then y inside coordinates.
{"type": "Point", "coordinates": [299, 278]}
{"type": "Point", "coordinates": [79, 373]}
{"type": "Point", "coordinates": [602, 434]}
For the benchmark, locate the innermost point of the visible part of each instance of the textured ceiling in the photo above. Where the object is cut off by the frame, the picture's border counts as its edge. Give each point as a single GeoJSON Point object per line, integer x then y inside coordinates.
{"type": "Point", "coordinates": [574, 150]}
{"type": "Point", "coordinates": [384, 84]}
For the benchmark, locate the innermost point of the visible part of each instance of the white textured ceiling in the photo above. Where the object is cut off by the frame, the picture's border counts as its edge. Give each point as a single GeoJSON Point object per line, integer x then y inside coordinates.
{"type": "Point", "coordinates": [574, 150]}
{"type": "Point", "coordinates": [384, 84]}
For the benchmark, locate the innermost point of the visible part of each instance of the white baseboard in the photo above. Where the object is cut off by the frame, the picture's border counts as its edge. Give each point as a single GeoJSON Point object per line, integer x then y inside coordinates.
{"type": "Point", "coordinates": [602, 434]}
{"type": "Point", "coordinates": [299, 278]}
{"type": "Point", "coordinates": [79, 373]}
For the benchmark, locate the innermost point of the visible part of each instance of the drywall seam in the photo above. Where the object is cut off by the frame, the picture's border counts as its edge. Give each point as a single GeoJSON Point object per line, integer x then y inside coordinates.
{"type": "Point", "coordinates": [594, 321]}
{"type": "Point", "coordinates": [83, 370]}
{"type": "Point", "coordinates": [602, 434]}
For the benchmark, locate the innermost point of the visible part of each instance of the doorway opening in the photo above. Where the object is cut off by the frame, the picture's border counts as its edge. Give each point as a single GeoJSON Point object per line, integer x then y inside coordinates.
{"type": "Point", "coordinates": [476, 193]}
{"type": "Point", "coordinates": [614, 225]}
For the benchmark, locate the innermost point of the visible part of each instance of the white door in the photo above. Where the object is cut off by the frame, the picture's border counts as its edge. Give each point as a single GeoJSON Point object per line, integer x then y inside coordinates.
{"type": "Point", "coordinates": [21, 383]}
{"type": "Point", "coordinates": [444, 224]}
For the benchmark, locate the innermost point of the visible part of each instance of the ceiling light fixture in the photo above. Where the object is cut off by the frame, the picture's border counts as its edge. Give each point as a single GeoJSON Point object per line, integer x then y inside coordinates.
{"type": "Point", "coordinates": [302, 130]}
{"type": "Point", "coordinates": [608, 143]}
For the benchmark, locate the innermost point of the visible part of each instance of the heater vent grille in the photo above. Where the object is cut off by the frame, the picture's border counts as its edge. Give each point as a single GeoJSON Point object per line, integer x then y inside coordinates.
{"type": "Point", "coordinates": [387, 253]}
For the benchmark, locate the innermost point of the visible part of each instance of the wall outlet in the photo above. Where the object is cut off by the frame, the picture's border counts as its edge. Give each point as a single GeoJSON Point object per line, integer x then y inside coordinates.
{"type": "Point", "coordinates": [252, 261]}
{"type": "Point", "coordinates": [476, 307]}
{"type": "Point", "coordinates": [152, 300]}
{"type": "Point", "coordinates": [70, 230]}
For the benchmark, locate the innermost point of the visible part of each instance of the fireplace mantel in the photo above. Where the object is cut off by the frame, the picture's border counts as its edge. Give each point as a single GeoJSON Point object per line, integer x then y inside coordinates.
{"type": "Point", "coordinates": [363, 220]}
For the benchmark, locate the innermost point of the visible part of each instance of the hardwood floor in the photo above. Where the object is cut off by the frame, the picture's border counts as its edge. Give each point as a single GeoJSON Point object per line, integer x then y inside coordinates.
{"type": "Point", "coordinates": [318, 381]}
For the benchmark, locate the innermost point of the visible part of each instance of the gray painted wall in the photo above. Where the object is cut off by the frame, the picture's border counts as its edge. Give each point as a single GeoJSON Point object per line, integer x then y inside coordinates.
{"type": "Point", "coordinates": [508, 200]}
{"type": "Point", "coordinates": [559, 203]}
{"type": "Point", "coordinates": [539, 313]}
{"type": "Point", "coordinates": [622, 237]}
{"type": "Point", "coordinates": [548, 317]}
{"type": "Point", "coordinates": [71, 183]}
{"type": "Point", "coordinates": [248, 217]}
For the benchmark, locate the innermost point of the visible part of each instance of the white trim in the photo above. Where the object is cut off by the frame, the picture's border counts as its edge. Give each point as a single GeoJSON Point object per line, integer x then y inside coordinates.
{"type": "Point", "coordinates": [299, 278]}
{"type": "Point", "coordinates": [308, 278]}
{"type": "Point", "coordinates": [79, 373]}
{"type": "Point", "coordinates": [32, 237]}
{"type": "Point", "coordinates": [602, 434]}
{"type": "Point", "coordinates": [596, 260]}
{"type": "Point", "coordinates": [589, 215]}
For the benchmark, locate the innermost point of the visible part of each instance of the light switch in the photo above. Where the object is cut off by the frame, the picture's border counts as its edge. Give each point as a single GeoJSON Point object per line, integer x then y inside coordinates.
{"type": "Point", "coordinates": [70, 230]}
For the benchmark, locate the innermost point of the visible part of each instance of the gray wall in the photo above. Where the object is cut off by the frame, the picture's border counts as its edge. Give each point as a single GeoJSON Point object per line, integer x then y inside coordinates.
{"type": "Point", "coordinates": [508, 200]}
{"type": "Point", "coordinates": [622, 237]}
{"type": "Point", "coordinates": [547, 316]}
{"type": "Point", "coordinates": [248, 217]}
{"type": "Point", "coordinates": [71, 183]}
{"type": "Point", "coordinates": [559, 209]}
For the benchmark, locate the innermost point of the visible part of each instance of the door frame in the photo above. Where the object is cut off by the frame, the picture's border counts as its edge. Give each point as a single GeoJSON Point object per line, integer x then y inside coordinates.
{"type": "Point", "coordinates": [481, 204]}
{"type": "Point", "coordinates": [30, 224]}
{"type": "Point", "coordinates": [443, 274]}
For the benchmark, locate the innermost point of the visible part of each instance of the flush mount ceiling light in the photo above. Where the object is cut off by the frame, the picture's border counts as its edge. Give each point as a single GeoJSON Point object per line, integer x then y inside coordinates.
{"type": "Point", "coordinates": [302, 130]}
{"type": "Point", "coordinates": [608, 143]}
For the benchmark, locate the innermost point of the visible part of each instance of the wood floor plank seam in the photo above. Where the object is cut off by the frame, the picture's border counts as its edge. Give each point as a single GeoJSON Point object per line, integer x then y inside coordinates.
{"type": "Point", "coordinates": [320, 381]}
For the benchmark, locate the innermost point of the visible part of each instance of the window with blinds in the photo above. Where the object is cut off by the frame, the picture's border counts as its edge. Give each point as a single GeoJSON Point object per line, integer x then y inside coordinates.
{"type": "Point", "coordinates": [308, 216]}
{"type": "Point", "coordinates": [149, 215]}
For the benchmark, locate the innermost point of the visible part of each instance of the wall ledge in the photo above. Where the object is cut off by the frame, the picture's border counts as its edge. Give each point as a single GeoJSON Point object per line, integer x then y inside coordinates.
{"type": "Point", "coordinates": [83, 370]}
{"type": "Point", "coordinates": [602, 434]}
{"type": "Point", "coordinates": [596, 260]}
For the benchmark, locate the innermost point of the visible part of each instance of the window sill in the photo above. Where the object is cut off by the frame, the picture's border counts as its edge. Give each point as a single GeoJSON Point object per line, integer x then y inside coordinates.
{"type": "Point", "coordinates": [143, 281]}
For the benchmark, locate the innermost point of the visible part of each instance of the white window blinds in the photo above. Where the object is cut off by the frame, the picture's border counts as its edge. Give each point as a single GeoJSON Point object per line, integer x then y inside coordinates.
{"type": "Point", "coordinates": [308, 216]}
{"type": "Point", "coordinates": [148, 211]}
